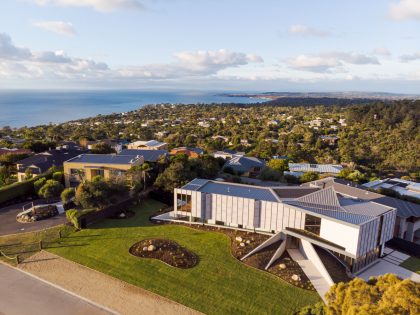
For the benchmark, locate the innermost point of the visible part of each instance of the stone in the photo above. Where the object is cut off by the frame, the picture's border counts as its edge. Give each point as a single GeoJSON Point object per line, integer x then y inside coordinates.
{"type": "Point", "coordinates": [238, 239]}
{"type": "Point", "coordinates": [248, 242]}
{"type": "Point", "coordinates": [145, 248]}
{"type": "Point", "coordinates": [282, 266]}
{"type": "Point", "coordinates": [122, 215]}
{"type": "Point", "coordinates": [242, 244]}
{"type": "Point", "coordinates": [151, 248]}
{"type": "Point", "coordinates": [295, 278]}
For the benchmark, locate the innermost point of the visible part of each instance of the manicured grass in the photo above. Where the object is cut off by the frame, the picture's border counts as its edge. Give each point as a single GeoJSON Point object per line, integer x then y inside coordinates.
{"type": "Point", "coordinates": [412, 264]}
{"type": "Point", "coordinates": [219, 284]}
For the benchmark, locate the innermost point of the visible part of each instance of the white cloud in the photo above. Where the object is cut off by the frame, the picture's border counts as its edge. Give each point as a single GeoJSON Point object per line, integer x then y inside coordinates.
{"type": "Point", "coordinates": [328, 62]}
{"type": "Point", "coordinates": [59, 27]}
{"type": "Point", "coordinates": [98, 5]}
{"type": "Point", "coordinates": [405, 10]}
{"type": "Point", "coordinates": [307, 31]}
{"type": "Point", "coordinates": [382, 51]}
{"type": "Point", "coordinates": [9, 51]}
{"type": "Point", "coordinates": [412, 57]}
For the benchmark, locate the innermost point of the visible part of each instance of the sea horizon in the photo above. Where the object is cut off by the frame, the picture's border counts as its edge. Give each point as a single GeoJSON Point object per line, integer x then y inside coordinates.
{"type": "Point", "coordinates": [19, 108]}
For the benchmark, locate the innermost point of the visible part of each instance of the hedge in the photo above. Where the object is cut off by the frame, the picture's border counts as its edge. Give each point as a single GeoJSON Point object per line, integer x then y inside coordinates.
{"type": "Point", "coordinates": [20, 189]}
{"type": "Point", "coordinates": [74, 215]}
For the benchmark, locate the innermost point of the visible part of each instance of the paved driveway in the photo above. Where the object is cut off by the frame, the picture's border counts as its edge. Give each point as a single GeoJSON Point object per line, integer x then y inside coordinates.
{"type": "Point", "coordinates": [22, 294]}
{"type": "Point", "coordinates": [9, 225]}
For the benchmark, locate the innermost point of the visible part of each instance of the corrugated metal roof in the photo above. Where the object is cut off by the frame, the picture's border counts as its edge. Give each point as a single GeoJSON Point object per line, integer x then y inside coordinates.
{"type": "Point", "coordinates": [195, 184]}
{"type": "Point", "coordinates": [293, 192]}
{"type": "Point", "coordinates": [243, 191]}
{"type": "Point", "coordinates": [244, 163]}
{"type": "Point", "coordinates": [319, 168]}
{"type": "Point", "coordinates": [104, 159]}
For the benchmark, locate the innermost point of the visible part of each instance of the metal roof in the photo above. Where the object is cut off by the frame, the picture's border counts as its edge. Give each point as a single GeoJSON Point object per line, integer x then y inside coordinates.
{"type": "Point", "coordinates": [404, 208]}
{"type": "Point", "coordinates": [104, 159]}
{"type": "Point", "coordinates": [319, 168]}
{"type": "Point", "coordinates": [243, 163]}
{"type": "Point", "coordinates": [148, 155]}
{"type": "Point", "coordinates": [293, 192]}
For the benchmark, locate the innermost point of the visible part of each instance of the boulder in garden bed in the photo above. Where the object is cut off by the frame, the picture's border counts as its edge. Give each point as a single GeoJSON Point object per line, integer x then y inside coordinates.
{"type": "Point", "coordinates": [151, 248]}
{"type": "Point", "coordinates": [295, 278]}
{"type": "Point", "coordinates": [238, 239]}
{"type": "Point", "coordinates": [282, 266]}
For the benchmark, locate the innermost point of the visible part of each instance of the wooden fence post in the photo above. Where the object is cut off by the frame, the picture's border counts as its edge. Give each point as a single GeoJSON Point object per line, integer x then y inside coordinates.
{"type": "Point", "coordinates": [40, 244]}
{"type": "Point", "coordinates": [17, 259]}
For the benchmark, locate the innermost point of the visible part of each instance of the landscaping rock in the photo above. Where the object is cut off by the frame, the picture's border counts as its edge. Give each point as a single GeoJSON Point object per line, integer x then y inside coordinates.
{"type": "Point", "coordinates": [296, 278]}
{"type": "Point", "coordinates": [282, 266]}
{"type": "Point", "coordinates": [122, 215]}
{"type": "Point", "coordinates": [242, 244]}
{"type": "Point", "coordinates": [151, 248]}
{"type": "Point", "coordinates": [238, 239]}
{"type": "Point", "coordinates": [248, 242]}
{"type": "Point", "coordinates": [145, 249]}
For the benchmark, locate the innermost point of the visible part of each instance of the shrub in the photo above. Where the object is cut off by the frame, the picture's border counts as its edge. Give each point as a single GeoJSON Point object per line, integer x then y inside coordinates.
{"type": "Point", "coordinates": [51, 189]}
{"type": "Point", "coordinates": [39, 183]}
{"type": "Point", "coordinates": [74, 216]}
{"type": "Point", "coordinates": [309, 176]}
{"type": "Point", "coordinates": [58, 176]}
{"type": "Point", "coordinates": [67, 195]}
{"type": "Point", "coordinates": [316, 309]}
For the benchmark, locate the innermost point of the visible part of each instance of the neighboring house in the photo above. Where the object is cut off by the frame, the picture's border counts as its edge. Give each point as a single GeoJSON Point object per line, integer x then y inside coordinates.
{"type": "Point", "coordinates": [41, 162]}
{"type": "Point", "coordinates": [87, 166]}
{"type": "Point", "coordinates": [4, 151]}
{"type": "Point", "coordinates": [227, 154]}
{"type": "Point", "coordinates": [407, 225]}
{"type": "Point", "coordinates": [401, 186]}
{"type": "Point", "coordinates": [330, 139]}
{"type": "Point", "coordinates": [116, 145]}
{"type": "Point", "coordinates": [247, 166]}
{"type": "Point", "coordinates": [191, 152]}
{"type": "Point", "coordinates": [354, 231]}
{"type": "Point", "coordinates": [298, 169]}
{"type": "Point", "coordinates": [149, 156]}
{"type": "Point", "coordinates": [222, 138]}
{"type": "Point", "coordinates": [148, 145]}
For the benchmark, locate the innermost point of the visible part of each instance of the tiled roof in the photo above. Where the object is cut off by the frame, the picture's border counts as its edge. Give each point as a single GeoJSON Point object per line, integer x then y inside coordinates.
{"type": "Point", "coordinates": [148, 155]}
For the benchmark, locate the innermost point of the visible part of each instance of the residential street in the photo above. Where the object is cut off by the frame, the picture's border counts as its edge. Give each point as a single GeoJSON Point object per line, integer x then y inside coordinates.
{"type": "Point", "coordinates": [22, 294]}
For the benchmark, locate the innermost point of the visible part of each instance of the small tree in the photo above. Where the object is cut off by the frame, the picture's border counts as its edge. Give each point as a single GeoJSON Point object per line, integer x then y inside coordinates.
{"type": "Point", "coordinates": [102, 148]}
{"type": "Point", "coordinates": [309, 177]}
{"type": "Point", "coordinates": [67, 195]}
{"type": "Point", "coordinates": [51, 189]}
{"type": "Point", "coordinates": [39, 183]}
{"type": "Point", "coordinates": [58, 176]}
{"type": "Point", "coordinates": [28, 174]}
{"type": "Point", "coordinates": [278, 165]}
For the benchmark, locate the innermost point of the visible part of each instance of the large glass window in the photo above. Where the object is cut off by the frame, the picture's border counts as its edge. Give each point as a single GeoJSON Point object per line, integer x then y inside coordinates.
{"type": "Point", "coordinates": [184, 202]}
{"type": "Point", "coordinates": [312, 224]}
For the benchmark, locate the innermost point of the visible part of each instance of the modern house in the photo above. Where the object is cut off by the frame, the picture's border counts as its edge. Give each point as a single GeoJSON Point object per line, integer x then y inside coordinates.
{"type": "Point", "coordinates": [407, 224]}
{"type": "Point", "coordinates": [148, 145]}
{"type": "Point", "coordinates": [400, 186]}
{"type": "Point", "coordinates": [149, 156]}
{"type": "Point", "coordinates": [41, 162]}
{"type": "Point", "coordinates": [87, 166]}
{"type": "Point", "coordinates": [298, 169]}
{"type": "Point", "coordinates": [351, 229]}
{"type": "Point", "coordinates": [191, 152]}
{"type": "Point", "coordinates": [247, 166]}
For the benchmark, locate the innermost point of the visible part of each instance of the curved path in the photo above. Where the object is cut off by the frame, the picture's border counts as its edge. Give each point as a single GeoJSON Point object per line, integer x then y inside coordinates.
{"type": "Point", "coordinates": [9, 225]}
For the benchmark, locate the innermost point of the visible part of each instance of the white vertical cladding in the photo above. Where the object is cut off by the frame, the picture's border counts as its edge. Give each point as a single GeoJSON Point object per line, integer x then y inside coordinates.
{"type": "Point", "coordinates": [279, 214]}
{"type": "Point", "coordinates": [229, 209]}
{"type": "Point", "coordinates": [268, 215]}
{"type": "Point", "coordinates": [388, 226]}
{"type": "Point", "coordinates": [257, 214]}
{"type": "Point", "coordinates": [196, 204]}
{"type": "Point", "coordinates": [298, 219]}
{"type": "Point", "coordinates": [245, 214]}
{"type": "Point", "coordinates": [368, 236]}
{"type": "Point", "coordinates": [176, 191]}
{"type": "Point", "coordinates": [240, 210]}
{"type": "Point", "coordinates": [341, 234]}
{"type": "Point", "coordinates": [235, 211]}
{"type": "Point", "coordinates": [251, 214]}
{"type": "Point", "coordinates": [286, 214]}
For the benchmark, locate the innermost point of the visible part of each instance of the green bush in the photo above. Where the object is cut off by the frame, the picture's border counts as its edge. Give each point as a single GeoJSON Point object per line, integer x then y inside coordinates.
{"type": "Point", "coordinates": [74, 216]}
{"type": "Point", "coordinates": [58, 176]}
{"type": "Point", "coordinates": [39, 183]}
{"type": "Point", "coordinates": [51, 189]}
{"type": "Point", "coordinates": [67, 194]}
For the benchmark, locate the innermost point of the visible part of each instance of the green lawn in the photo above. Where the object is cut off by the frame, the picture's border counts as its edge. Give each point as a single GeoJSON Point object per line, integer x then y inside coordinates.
{"type": "Point", "coordinates": [218, 285]}
{"type": "Point", "coordinates": [412, 264]}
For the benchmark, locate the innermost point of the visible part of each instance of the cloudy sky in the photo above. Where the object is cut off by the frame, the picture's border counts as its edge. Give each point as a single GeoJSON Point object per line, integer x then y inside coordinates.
{"type": "Point", "coordinates": [299, 45]}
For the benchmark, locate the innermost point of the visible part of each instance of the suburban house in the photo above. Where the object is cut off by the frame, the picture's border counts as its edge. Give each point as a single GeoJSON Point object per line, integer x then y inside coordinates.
{"type": "Point", "coordinates": [247, 166]}
{"type": "Point", "coordinates": [87, 166]}
{"type": "Point", "coordinates": [227, 154]}
{"type": "Point", "coordinates": [402, 187]}
{"type": "Point", "coordinates": [148, 145]}
{"type": "Point", "coordinates": [116, 145]}
{"type": "Point", "coordinates": [191, 152]}
{"type": "Point", "coordinates": [41, 162]}
{"type": "Point", "coordinates": [149, 156]}
{"type": "Point", "coordinates": [407, 224]}
{"type": "Point", "coordinates": [4, 151]}
{"type": "Point", "coordinates": [298, 169]}
{"type": "Point", "coordinates": [353, 230]}
{"type": "Point", "coordinates": [330, 139]}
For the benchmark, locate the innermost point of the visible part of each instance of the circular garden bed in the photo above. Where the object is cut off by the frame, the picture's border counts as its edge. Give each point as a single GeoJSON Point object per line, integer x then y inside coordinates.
{"type": "Point", "coordinates": [168, 251]}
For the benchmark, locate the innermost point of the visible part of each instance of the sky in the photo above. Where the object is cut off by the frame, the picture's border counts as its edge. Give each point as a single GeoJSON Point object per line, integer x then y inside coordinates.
{"type": "Point", "coordinates": [243, 45]}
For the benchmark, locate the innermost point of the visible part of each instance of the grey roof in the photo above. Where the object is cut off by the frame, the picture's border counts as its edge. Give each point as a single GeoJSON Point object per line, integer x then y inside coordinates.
{"type": "Point", "coordinates": [229, 189]}
{"type": "Point", "coordinates": [244, 163]}
{"type": "Point", "coordinates": [148, 155]}
{"type": "Point", "coordinates": [43, 161]}
{"type": "Point", "coordinates": [404, 208]}
{"type": "Point", "coordinates": [328, 202]}
{"type": "Point", "coordinates": [293, 192]}
{"type": "Point", "coordinates": [319, 168]}
{"type": "Point", "coordinates": [104, 159]}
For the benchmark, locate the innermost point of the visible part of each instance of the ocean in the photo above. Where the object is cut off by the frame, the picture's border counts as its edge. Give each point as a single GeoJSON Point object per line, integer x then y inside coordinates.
{"type": "Point", "coordinates": [32, 108]}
